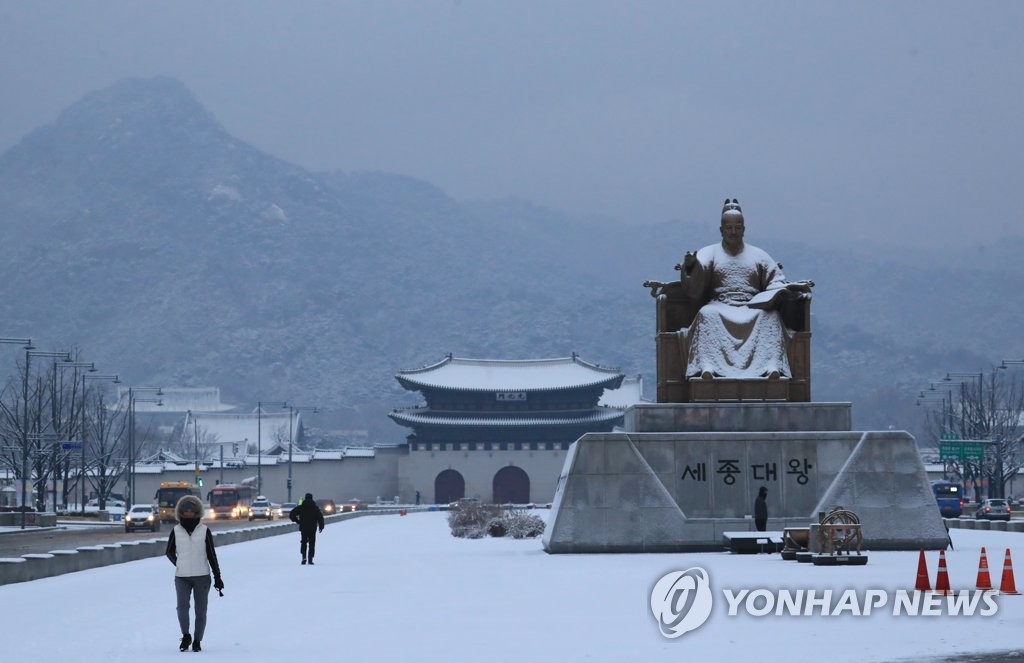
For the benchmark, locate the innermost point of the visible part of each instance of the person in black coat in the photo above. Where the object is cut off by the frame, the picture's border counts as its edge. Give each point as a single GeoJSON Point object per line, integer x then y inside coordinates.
{"type": "Point", "coordinates": [761, 509]}
{"type": "Point", "coordinates": [310, 521]}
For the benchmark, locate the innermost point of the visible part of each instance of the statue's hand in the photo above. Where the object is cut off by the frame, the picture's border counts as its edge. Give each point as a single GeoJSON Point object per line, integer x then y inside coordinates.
{"type": "Point", "coordinates": [800, 286]}
{"type": "Point", "coordinates": [655, 287]}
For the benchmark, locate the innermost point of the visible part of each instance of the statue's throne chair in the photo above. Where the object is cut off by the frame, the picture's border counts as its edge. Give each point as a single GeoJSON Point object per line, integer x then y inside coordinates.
{"type": "Point", "coordinates": [676, 311]}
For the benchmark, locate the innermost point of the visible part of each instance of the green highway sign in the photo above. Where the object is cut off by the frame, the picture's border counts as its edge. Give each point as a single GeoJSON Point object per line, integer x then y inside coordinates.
{"type": "Point", "coordinates": [963, 450]}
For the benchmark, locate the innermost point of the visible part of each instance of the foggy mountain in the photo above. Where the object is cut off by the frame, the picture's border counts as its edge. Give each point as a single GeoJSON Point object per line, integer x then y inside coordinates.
{"type": "Point", "coordinates": [137, 230]}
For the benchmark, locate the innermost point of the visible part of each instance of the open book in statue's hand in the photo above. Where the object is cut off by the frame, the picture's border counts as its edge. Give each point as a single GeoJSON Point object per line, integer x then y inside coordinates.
{"type": "Point", "coordinates": [772, 299]}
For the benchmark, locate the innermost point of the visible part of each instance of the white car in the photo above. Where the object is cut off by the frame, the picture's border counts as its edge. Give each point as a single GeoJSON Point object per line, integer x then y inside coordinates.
{"type": "Point", "coordinates": [142, 516]}
{"type": "Point", "coordinates": [261, 508]}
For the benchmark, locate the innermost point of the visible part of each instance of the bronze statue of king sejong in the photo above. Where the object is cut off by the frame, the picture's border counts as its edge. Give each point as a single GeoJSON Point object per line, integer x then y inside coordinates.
{"type": "Point", "coordinates": [733, 328]}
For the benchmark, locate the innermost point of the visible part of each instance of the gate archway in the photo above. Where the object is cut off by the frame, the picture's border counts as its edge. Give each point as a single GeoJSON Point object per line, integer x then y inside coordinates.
{"type": "Point", "coordinates": [511, 484]}
{"type": "Point", "coordinates": [448, 487]}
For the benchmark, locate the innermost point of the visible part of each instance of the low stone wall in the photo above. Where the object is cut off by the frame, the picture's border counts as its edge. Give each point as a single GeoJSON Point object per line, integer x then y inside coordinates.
{"type": "Point", "coordinates": [997, 525]}
{"type": "Point", "coordinates": [58, 562]}
{"type": "Point", "coordinates": [32, 519]}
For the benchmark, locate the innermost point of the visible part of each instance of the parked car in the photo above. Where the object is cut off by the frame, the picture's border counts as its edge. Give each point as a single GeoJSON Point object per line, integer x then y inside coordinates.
{"type": "Point", "coordinates": [142, 516]}
{"type": "Point", "coordinates": [261, 508]}
{"type": "Point", "coordinates": [993, 509]}
{"type": "Point", "coordinates": [464, 501]}
{"type": "Point", "coordinates": [111, 502]}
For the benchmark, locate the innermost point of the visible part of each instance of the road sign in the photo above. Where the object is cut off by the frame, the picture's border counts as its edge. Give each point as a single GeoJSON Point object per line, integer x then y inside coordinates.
{"type": "Point", "coordinates": [949, 437]}
{"type": "Point", "coordinates": [71, 446]}
{"type": "Point", "coordinates": [963, 450]}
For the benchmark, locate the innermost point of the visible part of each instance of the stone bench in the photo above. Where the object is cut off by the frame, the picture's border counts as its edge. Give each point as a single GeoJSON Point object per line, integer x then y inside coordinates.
{"type": "Point", "coordinates": [746, 543]}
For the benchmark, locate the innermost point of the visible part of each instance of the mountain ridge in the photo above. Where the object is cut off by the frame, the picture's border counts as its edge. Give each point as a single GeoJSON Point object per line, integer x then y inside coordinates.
{"type": "Point", "coordinates": [173, 253]}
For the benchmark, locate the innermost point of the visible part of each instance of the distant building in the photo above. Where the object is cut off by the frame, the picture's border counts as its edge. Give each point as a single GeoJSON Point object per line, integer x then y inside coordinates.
{"type": "Point", "coordinates": [506, 423]}
{"type": "Point", "coordinates": [237, 436]}
{"type": "Point", "coordinates": [494, 429]}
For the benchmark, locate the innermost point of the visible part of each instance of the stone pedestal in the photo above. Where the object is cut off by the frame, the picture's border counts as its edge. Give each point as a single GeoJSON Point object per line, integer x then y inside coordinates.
{"type": "Point", "coordinates": [648, 489]}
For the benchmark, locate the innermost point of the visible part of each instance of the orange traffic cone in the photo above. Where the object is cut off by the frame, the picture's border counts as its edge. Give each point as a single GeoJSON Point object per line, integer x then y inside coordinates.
{"type": "Point", "coordinates": [984, 581]}
{"type": "Point", "coordinates": [942, 579]}
{"type": "Point", "coordinates": [923, 584]}
{"type": "Point", "coordinates": [1007, 585]}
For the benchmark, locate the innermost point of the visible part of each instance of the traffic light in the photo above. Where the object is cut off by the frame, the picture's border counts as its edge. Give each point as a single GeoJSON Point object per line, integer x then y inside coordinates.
{"type": "Point", "coordinates": [199, 481]}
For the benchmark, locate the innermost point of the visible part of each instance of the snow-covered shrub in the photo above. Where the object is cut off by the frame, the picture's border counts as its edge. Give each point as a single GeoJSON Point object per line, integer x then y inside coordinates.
{"type": "Point", "coordinates": [521, 525]}
{"type": "Point", "coordinates": [496, 527]}
{"type": "Point", "coordinates": [472, 520]}
{"type": "Point", "coordinates": [469, 532]}
{"type": "Point", "coordinates": [469, 519]}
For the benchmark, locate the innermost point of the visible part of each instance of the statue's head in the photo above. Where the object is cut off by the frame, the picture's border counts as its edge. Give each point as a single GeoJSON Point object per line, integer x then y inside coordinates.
{"type": "Point", "coordinates": [732, 226]}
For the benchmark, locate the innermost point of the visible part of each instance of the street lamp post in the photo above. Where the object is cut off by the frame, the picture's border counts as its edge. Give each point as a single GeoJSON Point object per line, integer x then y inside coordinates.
{"type": "Point", "coordinates": [132, 400]}
{"type": "Point", "coordinates": [195, 437]}
{"type": "Point", "coordinates": [946, 395]}
{"type": "Point", "coordinates": [29, 353]}
{"type": "Point", "coordinates": [71, 421]}
{"type": "Point", "coordinates": [27, 344]}
{"type": "Point", "coordinates": [292, 409]}
{"type": "Point", "coordinates": [259, 441]}
{"type": "Point", "coordinates": [959, 378]}
{"type": "Point", "coordinates": [81, 473]}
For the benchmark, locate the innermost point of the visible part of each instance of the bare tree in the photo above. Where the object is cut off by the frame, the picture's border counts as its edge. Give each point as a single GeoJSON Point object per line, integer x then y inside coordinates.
{"type": "Point", "coordinates": [107, 445]}
{"type": "Point", "coordinates": [196, 442]}
{"type": "Point", "coordinates": [989, 410]}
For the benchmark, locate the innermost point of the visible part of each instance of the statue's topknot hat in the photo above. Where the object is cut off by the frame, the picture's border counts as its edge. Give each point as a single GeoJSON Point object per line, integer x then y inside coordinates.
{"type": "Point", "coordinates": [732, 207]}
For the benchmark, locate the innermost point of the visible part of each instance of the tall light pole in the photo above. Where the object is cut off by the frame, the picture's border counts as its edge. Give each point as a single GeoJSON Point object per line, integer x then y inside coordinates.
{"type": "Point", "coordinates": [91, 367]}
{"type": "Point", "coordinates": [292, 409]}
{"type": "Point", "coordinates": [195, 436]}
{"type": "Point", "coordinates": [131, 433]}
{"type": "Point", "coordinates": [259, 441]}
{"type": "Point", "coordinates": [959, 377]}
{"type": "Point", "coordinates": [29, 353]}
{"type": "Point", "coordinates": [27, 344]}
{"type": "Point", "coordinates": [943, 390]}
{"type": "Point", "coordinates": [81, 477]}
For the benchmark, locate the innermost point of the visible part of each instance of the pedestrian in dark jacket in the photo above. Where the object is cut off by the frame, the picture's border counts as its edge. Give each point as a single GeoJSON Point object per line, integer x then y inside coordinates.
{"type": "Point", "coordinates": [761, 509]}
{"type": "Point", "coordinates": [310, 521]}
{"type": "Point", "coordinates": [190, 548]}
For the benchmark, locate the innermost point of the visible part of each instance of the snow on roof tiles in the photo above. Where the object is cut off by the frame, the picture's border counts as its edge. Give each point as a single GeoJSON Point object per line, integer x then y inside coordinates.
{"type": "Point", "coordinates": [630, 393]}
{"type": "Point", "coordinates": [509, 374]}
{"type": "Point", "coordinates": [425, 416]}
{"type": "Point", "coordinates": [236, 427]}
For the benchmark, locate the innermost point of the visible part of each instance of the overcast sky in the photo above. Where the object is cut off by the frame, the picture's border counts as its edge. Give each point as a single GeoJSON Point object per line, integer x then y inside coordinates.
{"type": "Point", "coordinates": [894, 120]}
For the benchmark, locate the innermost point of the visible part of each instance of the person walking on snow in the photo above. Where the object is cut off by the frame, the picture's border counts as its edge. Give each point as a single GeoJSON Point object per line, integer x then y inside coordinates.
{"type": "Point", "coordinates": [310, 521]}
{"type": "Point", "coordinates": [190, 548]}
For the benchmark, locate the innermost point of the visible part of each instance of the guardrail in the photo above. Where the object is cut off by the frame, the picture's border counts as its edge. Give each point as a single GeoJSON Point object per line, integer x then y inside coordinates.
{"type": "Point", "coordinates": [58, 562]}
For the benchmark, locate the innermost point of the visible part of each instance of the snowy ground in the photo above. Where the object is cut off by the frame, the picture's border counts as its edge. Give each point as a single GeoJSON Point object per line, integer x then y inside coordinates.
{"type": "Point", "coordinates": [391, 588]}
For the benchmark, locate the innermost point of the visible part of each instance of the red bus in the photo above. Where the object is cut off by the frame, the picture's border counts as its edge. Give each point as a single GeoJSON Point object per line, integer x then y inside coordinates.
{"type": "Point", "coordinates": [230, 500]}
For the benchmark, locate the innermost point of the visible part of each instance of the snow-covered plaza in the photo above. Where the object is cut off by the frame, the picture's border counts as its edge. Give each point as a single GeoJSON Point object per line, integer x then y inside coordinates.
{"type": "Point", "coordinates": [393, 588]}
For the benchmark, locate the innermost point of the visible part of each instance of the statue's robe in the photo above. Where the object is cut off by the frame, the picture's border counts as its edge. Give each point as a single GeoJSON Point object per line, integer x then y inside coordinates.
{"type": "Point", "coordinates": [729, 337]}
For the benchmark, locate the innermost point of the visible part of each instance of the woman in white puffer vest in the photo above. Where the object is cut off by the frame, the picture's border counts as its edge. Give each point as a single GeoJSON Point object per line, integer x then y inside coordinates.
{"type": "Point", "coordinates": [190, 549]}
